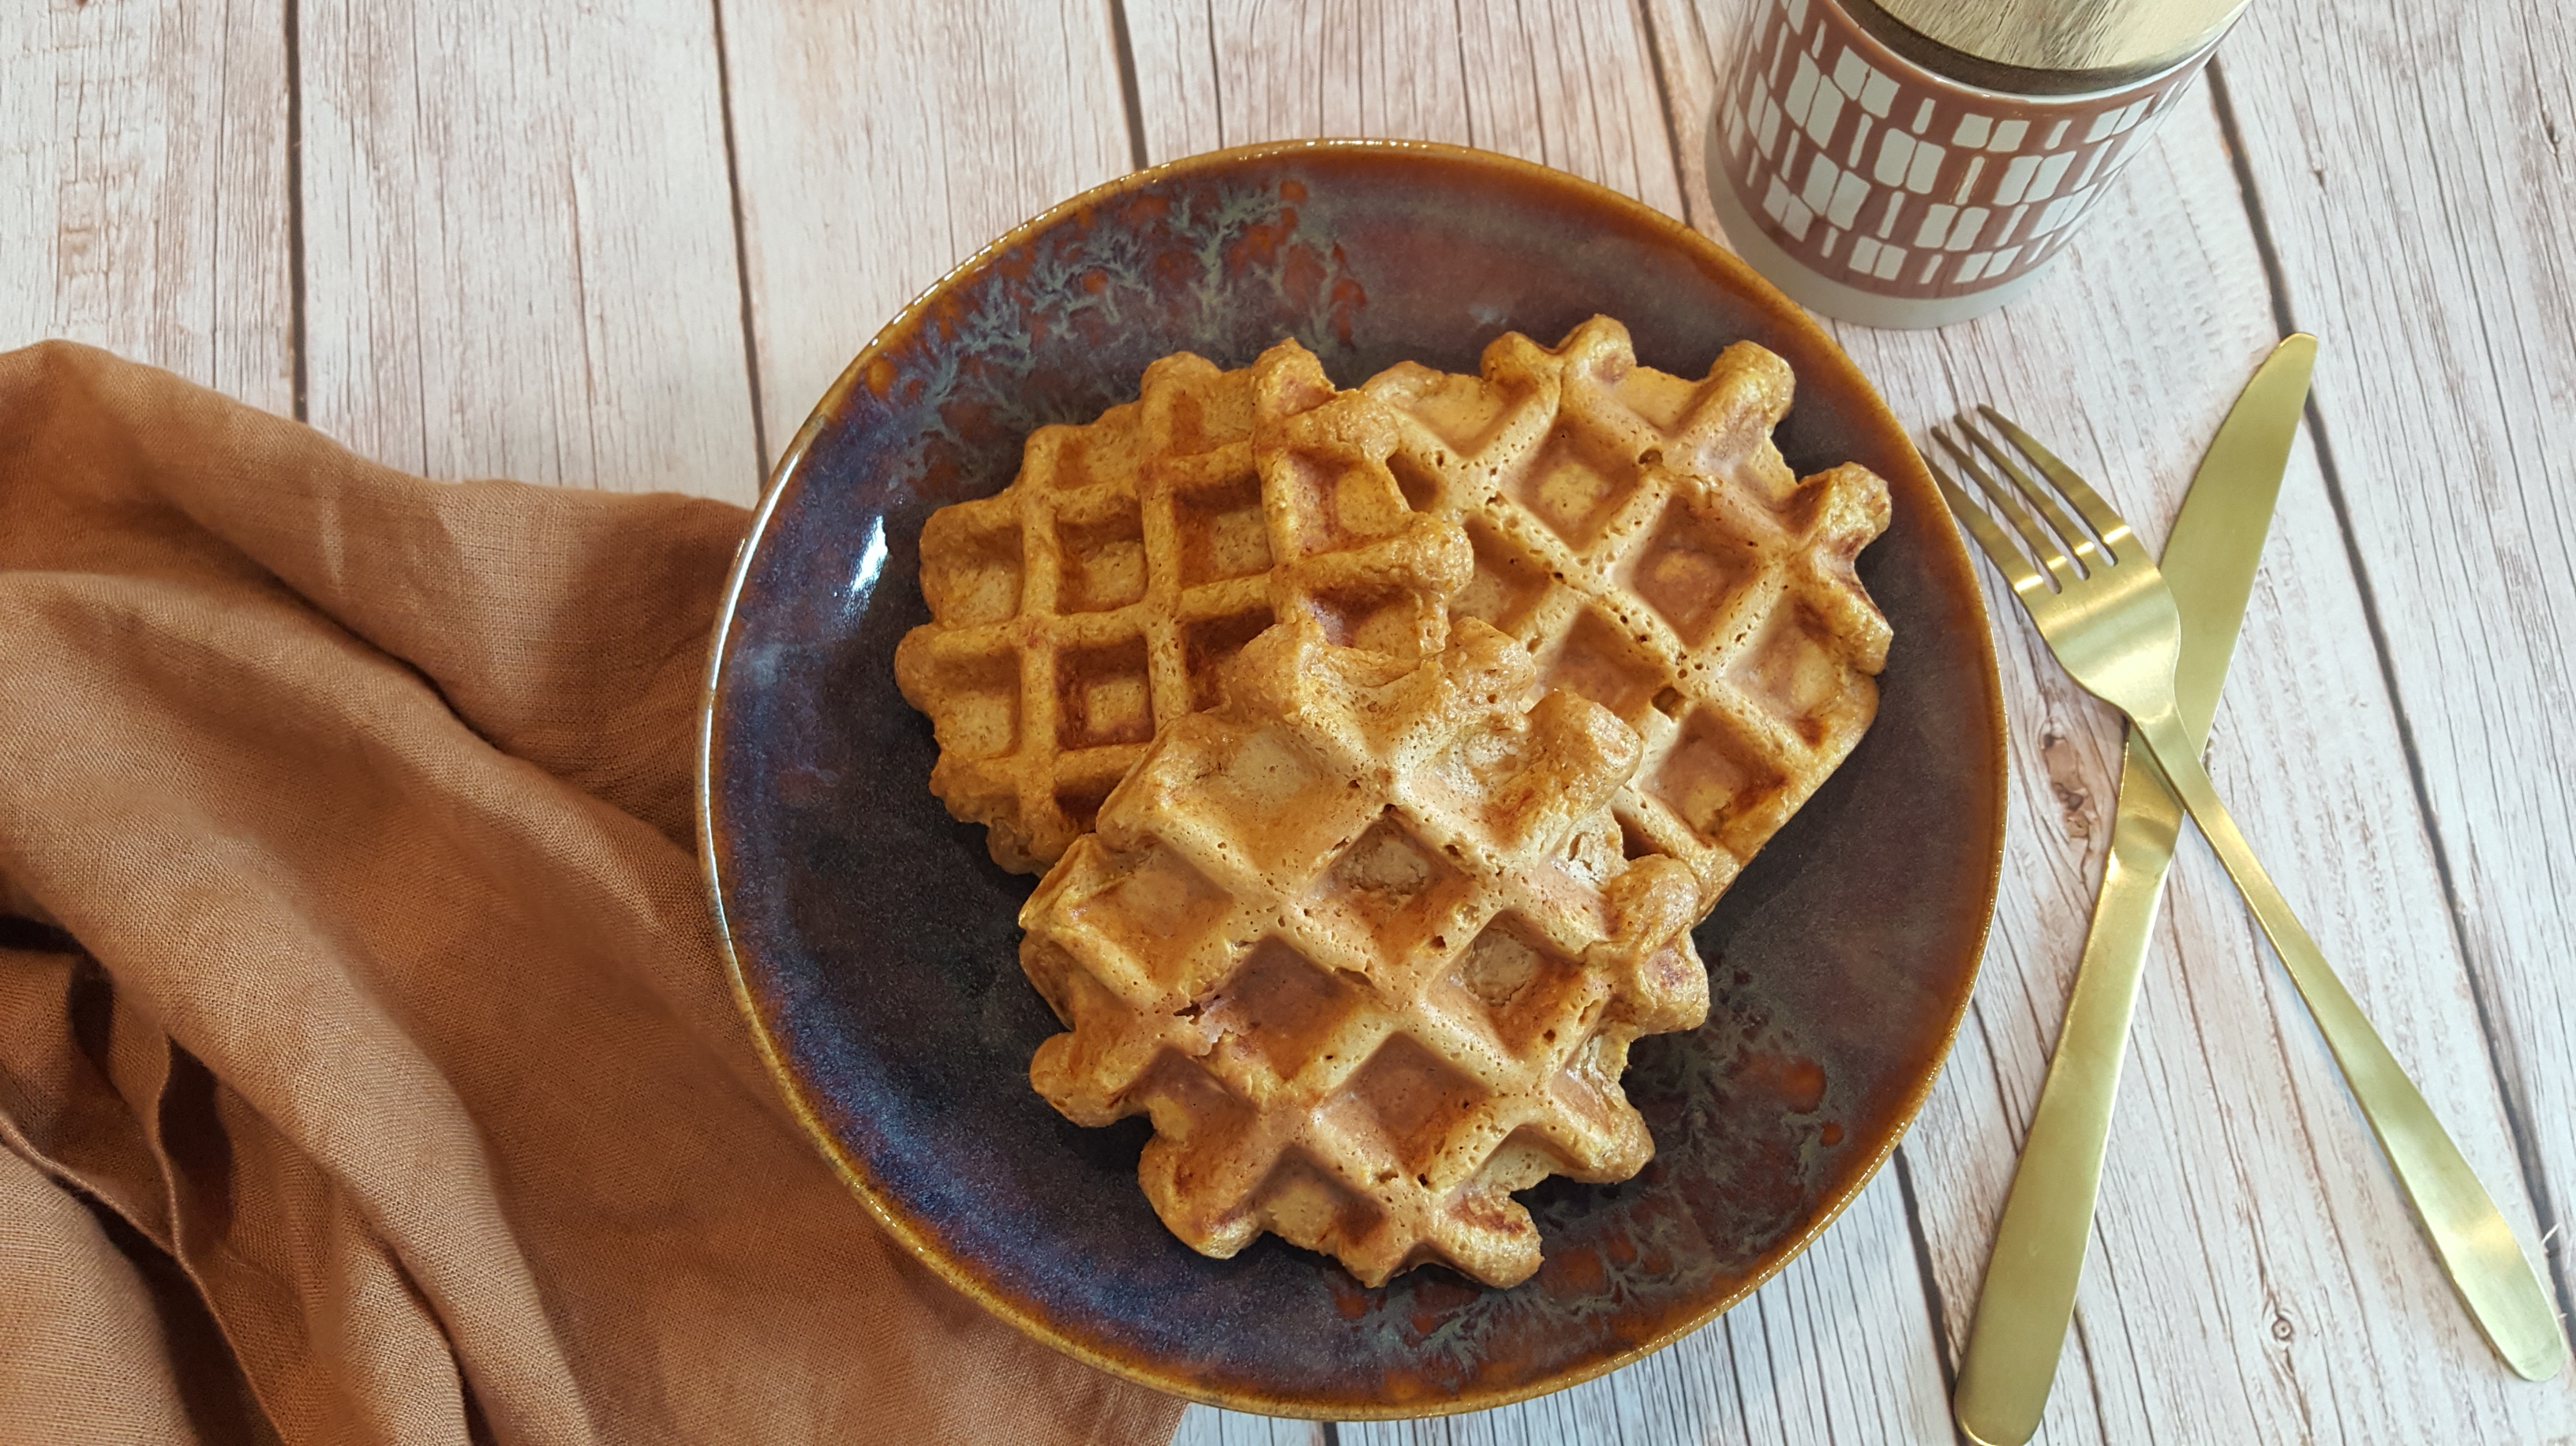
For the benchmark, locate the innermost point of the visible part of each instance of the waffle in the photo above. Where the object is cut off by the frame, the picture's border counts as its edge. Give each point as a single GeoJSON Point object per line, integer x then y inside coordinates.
{"type": "Point", "coordinates": [1079, 611]}
{"type": "Point", "coordinates": [1363, 943]}
{"type": "Point", "coordinates": [1640, 534]}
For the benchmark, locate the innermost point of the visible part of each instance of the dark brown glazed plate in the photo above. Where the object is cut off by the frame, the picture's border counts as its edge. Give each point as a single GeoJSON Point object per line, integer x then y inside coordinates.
{"type": "Point", "coordinates": [873, 944]}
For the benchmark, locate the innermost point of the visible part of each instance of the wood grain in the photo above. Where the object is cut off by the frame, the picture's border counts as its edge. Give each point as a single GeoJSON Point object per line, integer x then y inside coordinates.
{"type": "Point", "coordinates": [1571, 85]}
{"type": "Point", "coordinates": [880, 145]}
{"type": "Point", "coordinates": [143, 166]}
{"type": "Point", "coordinates": [1203, 1426]}
{"type": "Point", "coordinates": [529, 250]}
{"type": "Point", "coordinates": [2432, 245]}
{"type": "Point", "coordinates": [1806, 1359]}
{"type": "Point", "coordinates": [2255, 1275]}
{"type": "Point", "coordinates": [876, 148]}
{"type": "Point", "coordinates": [518, 243]}
{"type": "Point", "coordinates": [1567, 83]}
{"type": "Point", "coordinates": [1816, 1355]}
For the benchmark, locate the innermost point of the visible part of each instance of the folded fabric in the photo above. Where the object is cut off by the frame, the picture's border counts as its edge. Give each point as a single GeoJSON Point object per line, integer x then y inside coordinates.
{"type": "Point", "coordinates": [367, 1071]}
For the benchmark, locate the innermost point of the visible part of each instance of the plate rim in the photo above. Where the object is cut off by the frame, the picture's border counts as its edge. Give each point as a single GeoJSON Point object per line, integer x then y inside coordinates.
{"type": "Point", "coordinates": [854, 1172]}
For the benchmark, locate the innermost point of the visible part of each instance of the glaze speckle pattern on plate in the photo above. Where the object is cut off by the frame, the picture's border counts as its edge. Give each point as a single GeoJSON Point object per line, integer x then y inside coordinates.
{"type": "Point", "coordinates": [873, 941]}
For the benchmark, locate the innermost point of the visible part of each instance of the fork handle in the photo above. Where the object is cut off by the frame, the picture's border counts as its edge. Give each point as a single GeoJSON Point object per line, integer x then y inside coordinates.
{"type": "Point", "coordinates": [2476, 1246]}
{"type": "Point", "coordinates": [2018, 1334]}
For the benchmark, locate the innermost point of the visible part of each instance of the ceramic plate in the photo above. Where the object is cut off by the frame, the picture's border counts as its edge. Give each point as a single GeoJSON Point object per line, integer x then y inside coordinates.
{"type": "Point", "coordinates": [873, 943]}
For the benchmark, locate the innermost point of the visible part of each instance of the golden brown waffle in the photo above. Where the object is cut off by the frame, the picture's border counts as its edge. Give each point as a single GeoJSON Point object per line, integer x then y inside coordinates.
{"type": "Point", "coordinates": [1363, 942]}
{"type": "Point", "coordinates": [1640, 534]}
{"type": "Point", "coordinates": [1079, 611]}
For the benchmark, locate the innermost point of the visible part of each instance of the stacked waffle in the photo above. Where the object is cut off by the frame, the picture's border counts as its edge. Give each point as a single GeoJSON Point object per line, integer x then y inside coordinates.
{"type": "Point", "coordinates": [1381, 749]}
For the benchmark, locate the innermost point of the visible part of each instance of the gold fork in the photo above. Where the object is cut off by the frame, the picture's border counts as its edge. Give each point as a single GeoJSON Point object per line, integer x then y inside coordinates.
{"type": "Point", "coordinates": [2106, 613]}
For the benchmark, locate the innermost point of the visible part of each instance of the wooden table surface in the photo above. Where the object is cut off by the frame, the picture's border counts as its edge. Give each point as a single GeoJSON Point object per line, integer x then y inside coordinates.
{"type": "Point", "coordinates": [628, 245]}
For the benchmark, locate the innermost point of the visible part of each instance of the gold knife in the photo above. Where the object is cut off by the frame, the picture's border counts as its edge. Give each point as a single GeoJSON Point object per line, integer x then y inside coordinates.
{"type": "Point", "coordinates": [2019, 1330]}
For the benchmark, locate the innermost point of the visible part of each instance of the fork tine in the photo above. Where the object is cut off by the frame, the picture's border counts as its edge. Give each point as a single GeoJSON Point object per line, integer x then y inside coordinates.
{"type": "Point", "coordinates": [1999, 549]}
{"type": "Point", "coordinates": [2078, 541]}
{"type": "Point", "coordinates": [2042, 545]}
{"type": "Point", "coordinates": [2117, 538]}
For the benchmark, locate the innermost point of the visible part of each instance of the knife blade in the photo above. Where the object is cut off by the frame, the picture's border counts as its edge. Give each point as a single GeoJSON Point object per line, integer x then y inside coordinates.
{"type": "Point", "coordinates": [2019, 1330]}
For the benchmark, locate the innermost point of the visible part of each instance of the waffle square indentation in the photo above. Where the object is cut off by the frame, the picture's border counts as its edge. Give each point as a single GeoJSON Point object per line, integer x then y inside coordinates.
{"type": "Point", "coordinates": [1208, 643]}
{"type": "Point", "coordinates": [1104, 558]}
{"type": "Point", "coordinates": [1412, 1098]}
{"type": "Point", "coordinates": [1689, 570]}
{"type": "Point", "coordinates": [1519, 982]}
{"type": "Point", "coordinates": [1162, 909]}
{"type": "Point", "coordinates": [1711, 776]}
{"type": "Point", "coordinates": [1389, 884]}
{"type": "Point", "coordinates": [1280, 1008]}
{"type": "Point", "coordinates": [1222, 533]}
{"type": "Point", "coordinates": [1794, 672]}
{"type": "Point", "coordinates": [1574, 492]}
{"type": "Point", "coordinates": [1507, 584]}
{"type": "Point", "coordinates": [1605, 664]}
{"type": "Point", "coordinates": [1102, 696]}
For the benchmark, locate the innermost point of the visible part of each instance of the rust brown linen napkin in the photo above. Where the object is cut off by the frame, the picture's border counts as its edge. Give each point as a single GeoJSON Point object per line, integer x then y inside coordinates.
{"type": "Point", "coordinates": [366, 1069]}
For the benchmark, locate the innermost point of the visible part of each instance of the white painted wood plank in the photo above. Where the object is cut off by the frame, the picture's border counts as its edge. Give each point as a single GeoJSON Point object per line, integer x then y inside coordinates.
{"type": "Point", "coordinates": [880, 145]}
{"type": "Point", "coordinates": [2256, 1275]}
{"type": "Point", "coordinates": [1569, 83]}
{"type": "Point", "coordinates": [1800, 1362]}
{"type": "Point", "coordinates": [143, 166]}
{"type": "Point", "coordinates": [2193, 1260]}
{"type": "Point", "coordinates": [1840, 1347]}
{"type": "Point", "coordinates": [2432, 243]}
{"type": "Point", "coordinates": [518, 243]}
{"type": "Point", "coordinates": [1207, 1426]}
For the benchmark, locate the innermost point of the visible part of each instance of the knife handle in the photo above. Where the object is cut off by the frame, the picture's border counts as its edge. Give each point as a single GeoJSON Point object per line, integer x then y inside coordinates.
{"type": "Point", "coordinates": [2476, 1246]}
{"type": "Point", "coordinates": [2019, 1330]}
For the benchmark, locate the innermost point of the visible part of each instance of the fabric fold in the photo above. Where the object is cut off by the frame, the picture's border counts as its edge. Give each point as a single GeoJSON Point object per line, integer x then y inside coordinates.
{"type": "Point", "coordinates": [358, 961]}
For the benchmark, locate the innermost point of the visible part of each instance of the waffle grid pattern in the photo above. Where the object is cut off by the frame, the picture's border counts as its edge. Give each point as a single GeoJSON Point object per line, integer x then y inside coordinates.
{"type": "Point", "coordinates": [1081, 610]}
{"type": "Point", "coordinates": [1364, 944]}
{"type": "Point", "coordinates": [1640, 534]}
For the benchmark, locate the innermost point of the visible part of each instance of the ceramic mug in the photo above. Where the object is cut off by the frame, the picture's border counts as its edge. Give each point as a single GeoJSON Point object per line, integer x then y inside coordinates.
{"type": "Point", "coordinates": [1873, 187]}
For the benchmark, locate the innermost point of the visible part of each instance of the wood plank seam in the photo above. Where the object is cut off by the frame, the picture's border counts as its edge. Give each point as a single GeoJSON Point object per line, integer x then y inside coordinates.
{"type": "Point", "coordinates": [2509, 1092]}
{"type": "Point", "coordinates": [295, 207]}
{"type": "Point", "coordinates": [1932, 1301]}
{"type": "Point", "coordinates": [741, 256]}
{"type": "Point", "coordinates": [1128, 95]}
{"type": "Point", "coordinates": [1664, 102]}
{"type": "Point", "coordinates": [1216, 76]}
{"type": "Point", "coordinates": [2301, 1115]}
{"type": "Point", "coordinates": [2084, 1355]}
{"type": "Point", "coordinates": [2215, 76]}
{"type": "Point", "coordinates": [1467, 93]}
{"type": "Point", "coordinates": [1495, 82]}
{"type": "Point", "coordinates": [2284, 1284]}
{"type": "Point", "coordinates": [2337, 1154]}
{"type": "Point", "coordinates": [1944, 1348]}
